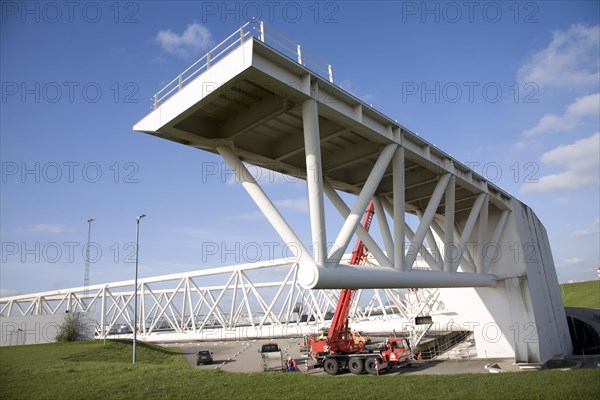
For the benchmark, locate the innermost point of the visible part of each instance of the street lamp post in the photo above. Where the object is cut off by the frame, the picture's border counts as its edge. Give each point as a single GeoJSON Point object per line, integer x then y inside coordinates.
{"type": "Point", "coordinates": [86, 277]}
{"type": "Point", "coordinates": [135, 308]}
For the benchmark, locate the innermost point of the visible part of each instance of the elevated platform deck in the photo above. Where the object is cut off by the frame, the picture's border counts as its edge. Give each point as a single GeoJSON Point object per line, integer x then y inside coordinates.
{"type": "Point", "coordinates": [250, 100]}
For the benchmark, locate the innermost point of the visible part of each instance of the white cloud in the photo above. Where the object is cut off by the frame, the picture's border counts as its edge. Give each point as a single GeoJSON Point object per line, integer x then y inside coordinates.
{"type": "Point", "coordinates": [575, 114]}
{"type": "Point", "coordinates": [195, 39]}
{"type": "Point", "coordinates": [250, 216]}
{"type": "Point", "coordinates": [581, 161]}
{"type": "Point", "coordinates": [569, 61]}
{"type": "Point", "coordinates": [298, 205]}
{"type": "Point", "coordinates": [573, 261]}
{"type": "Point", "coordinates": [46, 228]}
{"type": "Point", "coordinates": [591, 229]}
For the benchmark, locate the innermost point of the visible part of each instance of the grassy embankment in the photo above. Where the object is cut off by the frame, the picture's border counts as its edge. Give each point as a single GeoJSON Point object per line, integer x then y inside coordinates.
{"type": "Point", "coordinates": [89, 370]}
{"type": "Point", "coordinates": [581, 294]}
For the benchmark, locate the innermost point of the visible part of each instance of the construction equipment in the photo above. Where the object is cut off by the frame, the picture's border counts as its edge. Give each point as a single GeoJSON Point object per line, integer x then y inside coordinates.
{"type": "Point", "coordinates": [340, 351]}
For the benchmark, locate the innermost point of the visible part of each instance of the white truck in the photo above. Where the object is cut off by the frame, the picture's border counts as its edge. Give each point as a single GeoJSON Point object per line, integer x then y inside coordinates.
{"type": "Point", "coordinates": [272, 357]}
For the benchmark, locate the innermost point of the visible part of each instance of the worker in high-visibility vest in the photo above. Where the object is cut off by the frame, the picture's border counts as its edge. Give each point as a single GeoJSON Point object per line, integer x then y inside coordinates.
{"type": "Point", "coordinates": [291, 365]}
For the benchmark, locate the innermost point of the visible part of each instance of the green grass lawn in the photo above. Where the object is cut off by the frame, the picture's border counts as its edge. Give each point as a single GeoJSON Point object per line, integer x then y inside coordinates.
{"type": "Point", "coordinates": [581, 294]}
{"type": "Point", "coordinates": [88, 370]}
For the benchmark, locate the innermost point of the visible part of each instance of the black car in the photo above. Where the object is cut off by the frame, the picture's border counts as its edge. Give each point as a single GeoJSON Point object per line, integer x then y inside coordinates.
{"type": "Point", "coordinates": [204, 357]}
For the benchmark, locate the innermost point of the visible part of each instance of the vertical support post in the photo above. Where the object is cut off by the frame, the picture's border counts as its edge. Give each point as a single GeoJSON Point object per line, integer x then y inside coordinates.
{"type": "Point", "coordinates": [208, 60]}
{"type": "Point", "coordinates": [241, 35]}
{"type": "Point", "coordinates": [330, 72]}
{"type": "Point", "coordinates": [103, 314]}
{"type": "Point", "coordinates": [450, 250]}
{"type": "Point", "coordinates": [399, 208]}
{"type": "Point", "coordinates": [434, 202]}
{"type": "Point", "coordinates": [362, 233]}
{"type": "Point", "coordinates": [495, 238]}
{"type": "Point", "coordinates": [382, 221]}
{"type": "Point", "coordinates": [179, 82]}
{"type": "Point", "coordinates": [314, 178]}
{"type": "Point", "coordinates": [155, 101]}
{"type": "Point", "coordinates": [482, 237]}
{"type": "Point", "coordinates": [142, 317]}
{"type": "Point", "coordinates": [299, 54]}
{"type": "Point", "coordinates": [366, 194]}
{"type": "Point", "coordinates": [468, 229]}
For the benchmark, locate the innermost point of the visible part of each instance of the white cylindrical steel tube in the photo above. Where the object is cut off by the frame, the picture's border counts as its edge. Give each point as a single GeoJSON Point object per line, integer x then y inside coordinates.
{"type": "Point", "coordinates": [362, 277]}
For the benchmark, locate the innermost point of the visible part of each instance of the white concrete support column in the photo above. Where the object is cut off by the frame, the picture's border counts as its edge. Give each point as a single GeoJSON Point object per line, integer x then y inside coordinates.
{"type": "Point", "coordinates": [362, 233]}
{"type": "Point", "coordinates": [434, 202]}
{"type": "Point", "coordinates": [384, 228]}
{"type": "Point", "coordinates": [482, 234]}
{"type": "Point", "coordinates": [366, 194]}
{"type": "Point", "coordinates": [266, 206]}
{"type": "Point", "coordinates": [314, 179]}
{"type": "Point", "coordinates": [450, 250]}
{"type": "Point", "coordinates": [399, 209]}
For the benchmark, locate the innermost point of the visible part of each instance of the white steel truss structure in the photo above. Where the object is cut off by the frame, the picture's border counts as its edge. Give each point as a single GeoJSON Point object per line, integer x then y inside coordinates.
{"type": "Point", "coordinates": [286, 114]}
{"type": "Point", "coordinates": [193, 305]}
{"type": "Point", "coordinates": [280, 111]}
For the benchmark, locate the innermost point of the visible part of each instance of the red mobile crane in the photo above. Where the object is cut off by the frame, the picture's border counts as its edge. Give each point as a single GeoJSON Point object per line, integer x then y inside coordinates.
{"type": "Point", "coordinates": [339, 351]}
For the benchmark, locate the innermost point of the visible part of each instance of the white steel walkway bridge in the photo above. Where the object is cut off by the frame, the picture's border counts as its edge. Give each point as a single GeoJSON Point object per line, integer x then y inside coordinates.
{"type": "Point", "coordinates": [259, 98]}
{"type": "Point", "coordinates": [194, 306]}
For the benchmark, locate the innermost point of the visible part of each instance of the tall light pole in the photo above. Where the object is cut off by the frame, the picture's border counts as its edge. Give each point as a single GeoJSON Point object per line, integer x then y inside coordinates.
{"type": "Point", "coordinates": [86, 278]}
{"type": "Point", "coordinates": [137, 246]}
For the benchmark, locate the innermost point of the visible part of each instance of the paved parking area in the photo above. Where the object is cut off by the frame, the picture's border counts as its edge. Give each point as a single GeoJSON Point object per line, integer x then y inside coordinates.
{"type": "Point", "coordinates": [239, 356]}
{"type": "Point", "coordinates": [244, 356]}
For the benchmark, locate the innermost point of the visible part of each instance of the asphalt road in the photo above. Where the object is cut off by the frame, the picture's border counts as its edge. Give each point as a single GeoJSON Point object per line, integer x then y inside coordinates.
{"type": "Point", "coordinates": [243, 356]}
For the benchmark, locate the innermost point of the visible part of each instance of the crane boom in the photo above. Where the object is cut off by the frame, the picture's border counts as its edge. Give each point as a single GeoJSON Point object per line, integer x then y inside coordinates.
{"type": "Point", "coordinates": [339, 338]}
{"type": "Point", "coordinates": [339, 351]}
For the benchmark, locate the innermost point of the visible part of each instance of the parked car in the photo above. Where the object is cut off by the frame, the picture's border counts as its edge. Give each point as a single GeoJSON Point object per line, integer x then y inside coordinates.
{"type": "Point", "coordinates": [204, 357]}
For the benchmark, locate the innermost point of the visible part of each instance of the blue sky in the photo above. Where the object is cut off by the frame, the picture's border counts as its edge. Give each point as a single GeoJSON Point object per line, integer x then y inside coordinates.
{"type": "Point", "coordinates": [511, 88]}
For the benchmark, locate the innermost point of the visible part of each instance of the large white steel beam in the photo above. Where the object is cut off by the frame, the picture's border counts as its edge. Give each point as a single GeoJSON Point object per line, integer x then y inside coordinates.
{"type": "Point", "coordinates": [384, 228]}
{"type": "Point", "coordinates": [482, 234]}
{"type": "Point", "coordinates": [366, 194]}
{"type": "Point", "coordinates": [314, 178]}
{"type": "Point", "coordinates": [399, 209]}
{"type": "Point", "coordinates": [468, 229]}
{"type": "Point", "coordinates": [362, 233]}
{"type": "Point", "coordinates": [349, 276]}
{"type": "Point", "coordinates": [449, 245]}
{"type": "Point", "coordinates": [498, 230]}
{"type": "Point", "coordinates": [266, 206]}
{"type": "Point", "coordinates": [427, 256]}
{"type": "Point", "coordinates": [434, 202]}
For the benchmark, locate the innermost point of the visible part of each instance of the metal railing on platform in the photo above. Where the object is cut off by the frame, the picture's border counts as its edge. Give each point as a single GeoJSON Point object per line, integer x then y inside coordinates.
{"type": "Point", "coordinates": [253, 29]}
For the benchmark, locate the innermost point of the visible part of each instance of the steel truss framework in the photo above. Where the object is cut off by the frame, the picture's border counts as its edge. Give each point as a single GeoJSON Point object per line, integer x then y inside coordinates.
{"type": "Point", "coordinates": [269, 109]}
{"type": "Point", "coordinates": [274, 112]}
{"type": "Point", "coordinates": [191, 304]}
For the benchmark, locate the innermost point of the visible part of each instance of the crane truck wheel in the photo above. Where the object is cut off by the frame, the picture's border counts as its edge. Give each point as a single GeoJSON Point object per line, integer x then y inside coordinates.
{"type": "Point", "coordinates": [356, 365]}
{"type": "Point", "coordinates": [370, 365]}
{"type": "Point", "coordinates": [331, 366]}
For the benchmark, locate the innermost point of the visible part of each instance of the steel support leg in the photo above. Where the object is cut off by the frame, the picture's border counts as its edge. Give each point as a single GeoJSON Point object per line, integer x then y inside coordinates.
{"type": "Point", "coordinates": [314, 179]}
